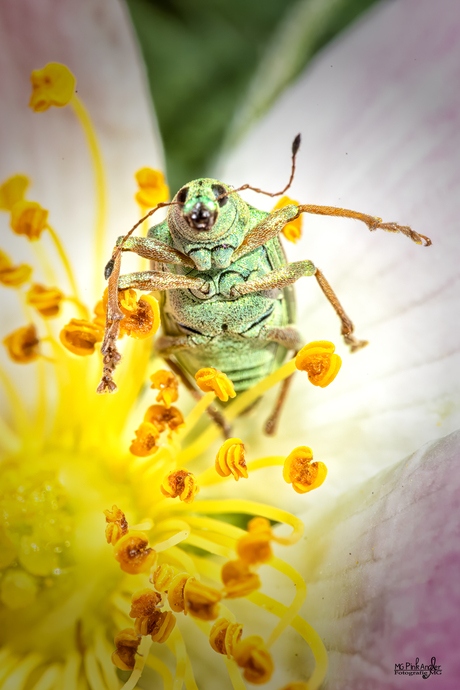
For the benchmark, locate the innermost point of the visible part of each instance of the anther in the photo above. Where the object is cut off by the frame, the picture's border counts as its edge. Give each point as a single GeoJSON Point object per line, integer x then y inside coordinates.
{"type": "Point", "coordinates": [231, 459]}
{"type": "Point", "coordinates": [213, 380]}
{"type": "Point", "coordinates": [133, 553]}
{"type": "Point", "coordinates": [301, 472]}
{"type": "Point", "coordinates": [318, 360]}
{"type": "Point", "coordinates": [224, 636]}
{"type": "Point", "coordinates": [252, 655]}
{"type": "Point", "coordinates": [117, 525]}
{"type": "Point", "coordinates": [238, 579]}
{"type": "Point", "coordinates": [180, 483]}
{"type": "Point", "coordinates": [126, 643]}
{"type": "Point", "coordinates": [167, 384]}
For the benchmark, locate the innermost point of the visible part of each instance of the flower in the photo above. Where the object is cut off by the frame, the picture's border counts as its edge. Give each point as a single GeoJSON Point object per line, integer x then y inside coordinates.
{"type": "Point", "coordinates": [58, 571]}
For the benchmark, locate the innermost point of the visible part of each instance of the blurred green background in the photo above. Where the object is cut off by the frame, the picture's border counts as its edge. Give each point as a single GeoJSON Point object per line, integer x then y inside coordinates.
{"type": "Point", "coordinates": [210, 60]}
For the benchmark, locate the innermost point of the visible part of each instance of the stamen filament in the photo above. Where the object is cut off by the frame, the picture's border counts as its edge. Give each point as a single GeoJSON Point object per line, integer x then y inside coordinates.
{"type": "Point", "coordinates": [160, 667]}
{"type": "Point", "coordinates": [172, 541]}
{"type": "Point", "coordinates": [92, 672]}
{"type": "Point", "coordinates": [177, 646]}
{"type": "Point", "coordinates": [210, 475]}
{"type": "Point", "coordinates": [82, 307]}
{"type": "Point", "coordinates": [71, 672]}
{"type": "Point", "coordinates": [183, 559]}
{"type": "Point", "coordinates": [248, 508]}
{"type": "Point", "coordinates": [68, 268]}
{"type": "Point", "coordinates": [305, 630]}
{"type": "Point", "coordinates": [103, 653]}
{"type": "Point", "coordinates": [235, 408]}
{"type": "Point", "coordinates": [300, 595]}
{"type": "Point", "coordinates": [196, 413]}
{"type": "Point", "coordinates": [141, 658]}
{"type": "Point", "coordinates": [101, 194]}
{"type": "Point", "coordinates": [16, 403]}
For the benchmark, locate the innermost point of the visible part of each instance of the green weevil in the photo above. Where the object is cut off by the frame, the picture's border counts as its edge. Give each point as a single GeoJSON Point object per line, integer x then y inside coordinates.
{"type": "Point", "coordinates": [227, 297]}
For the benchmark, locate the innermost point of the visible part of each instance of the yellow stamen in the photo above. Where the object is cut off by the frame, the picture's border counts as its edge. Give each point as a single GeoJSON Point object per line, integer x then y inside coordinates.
{"type": "Point", "coordinates": [101, 187]}
{"type": "Point", "coordinates": [238, 579]}
{"type": "Point", "coordinates": [80, 337]}
{"type": "Point", "coordinates": [126, 642]}
{"type": "Point", "coordinates": [252, 655]}
{"type": "Point", "coordinates": [66, 263]}
{"type": "Point", "coordinates": [231, 459]}
{"type": "Point", "coordinates": [225, 636]}
{"type": "Point", "coordinates": [301, 472]}
{"type": "Point", "coordinates": [23, 344]}
{"type": "Point", "coordinates": [167, 384]}
{"type": "Point", "coordinates": [162, 417]}
{"type": "Point", "coordinates": [293, 230]}
{"type": "Point", "coordinates": [318, 360]}
{"type": "Point", "coordinates": [180, 483]}
{"type": "Point", "coordinates": [47, 301]}
{"type": "Point", "coordinates": [13, 276]}
{"type": "Point", "coordinates": [146, 439]}
{"type": "Point", "coordinates": [117, 525]}
{"type": "Point", "coordinates": [254, 548]}
{"type": "Point", "coordinates": [28, 218]}
{"type": "Point", "coordinates": [52, 85]}
{"type": "Point", "coordinates": [133, 553]}
{"type": "Point", "coordinates": [12, 191]}
{"type": "Point", "coordinates": [152, 188]}
{"type": "Point", "coordinates": [210, 379]}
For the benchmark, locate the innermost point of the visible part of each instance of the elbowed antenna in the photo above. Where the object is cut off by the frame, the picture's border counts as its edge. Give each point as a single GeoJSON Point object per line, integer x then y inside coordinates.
{"type": "Point", "coordinates": [295, 149]}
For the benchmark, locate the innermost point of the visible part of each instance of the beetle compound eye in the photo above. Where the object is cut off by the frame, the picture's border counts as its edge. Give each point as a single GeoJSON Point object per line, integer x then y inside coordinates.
{"type": "Point", "coordinates": [218, 189]}
{"type": "Point", "coordinates": [182, 195]}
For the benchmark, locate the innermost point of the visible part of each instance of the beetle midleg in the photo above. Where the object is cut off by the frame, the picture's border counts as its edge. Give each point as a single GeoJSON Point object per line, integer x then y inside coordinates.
{"type": "Point", "coordinates": [347, 324]}
{"type": "Point", "coordinates": [288, 336]}
{"type": "Point", "coordinates": [272, 422]}
{"type": "Point", "coordinates": [280, 278]}
{"type": "Point", "coordinates": [212, 411]}
{"type": "Point", "coordinates": [155, 280]}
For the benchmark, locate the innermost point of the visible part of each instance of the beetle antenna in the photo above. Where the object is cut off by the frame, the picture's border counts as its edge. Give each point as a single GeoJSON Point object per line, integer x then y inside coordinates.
{"type": "Point", "coordinates": [119, 248]}
{"type": "Point", "coordinates": [295, 148]}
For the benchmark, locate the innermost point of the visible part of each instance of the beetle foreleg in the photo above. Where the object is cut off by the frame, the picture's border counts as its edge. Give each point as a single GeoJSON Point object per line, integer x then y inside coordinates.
{"type": "Point", "coordinates": [286, 275]}
{"type": "Point", "coordinates": [155, 280]}
{"type": "Point", "coordinates": [151, 248]}
{"type": "Point", "coordinates": [347, 325]}
{"type": "Point", "coordinates": [372, 222]}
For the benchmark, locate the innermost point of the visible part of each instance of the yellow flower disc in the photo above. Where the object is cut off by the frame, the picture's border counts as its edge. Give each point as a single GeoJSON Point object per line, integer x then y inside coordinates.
{"type": "Point", "coordinates": [152, 188]}
{"type": "Point", "coordinates": [293, 230]}
{"type": "Point", "coordinates": [12, 191]}
{"type": "Point", "coordinates": [52, 85]}
{"type": "Point", "coordinates": [80, 337]}
{"type": "Point", "coordinates": [318, 360]}
{"type": "Point", "coordinates": [47, 301]}
{"type": "Point", "coordinates": [28, 218]}
{"type": "Point", "coordinates": [22, 344]}
{"type": "Point", "coordinates": [301, 472]}
{"type": "Point", "coordinates": [212, 380]}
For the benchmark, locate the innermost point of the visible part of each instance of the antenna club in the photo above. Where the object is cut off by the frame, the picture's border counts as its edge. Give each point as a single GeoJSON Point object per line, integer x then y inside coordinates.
{"type": "Point", "coordinates": [296, 144]}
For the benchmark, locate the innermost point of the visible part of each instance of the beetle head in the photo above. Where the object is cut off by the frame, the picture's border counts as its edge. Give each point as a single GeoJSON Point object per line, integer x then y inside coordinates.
{"type": "Point", "coordinates": [199, 214]}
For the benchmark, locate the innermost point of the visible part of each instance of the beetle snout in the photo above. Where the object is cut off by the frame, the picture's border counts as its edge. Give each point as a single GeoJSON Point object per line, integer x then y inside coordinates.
{"type": "Point", "coordinates": [202, 215]}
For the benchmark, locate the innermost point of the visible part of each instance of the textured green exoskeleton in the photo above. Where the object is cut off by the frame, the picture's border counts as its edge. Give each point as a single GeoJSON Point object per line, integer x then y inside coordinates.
{"type": "Point", "coordinates": [225, 286]}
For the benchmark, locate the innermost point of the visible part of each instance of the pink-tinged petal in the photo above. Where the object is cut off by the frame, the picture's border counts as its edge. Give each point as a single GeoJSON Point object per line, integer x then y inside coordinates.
{"type": "Point", "coordinates": [382, 574]}
{"type": "Point", "coordinates": [95, 40]}
{"type": "Point", "coordinates": [380, 120]}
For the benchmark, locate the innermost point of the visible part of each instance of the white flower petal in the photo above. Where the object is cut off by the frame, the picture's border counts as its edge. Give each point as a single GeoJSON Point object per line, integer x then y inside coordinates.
{"type": "Point", "coordinates": [380, 121]}
{"type": "Point", "coordinates": [95, 40]}
{"type": "Point", "coordinates": [382, 573]}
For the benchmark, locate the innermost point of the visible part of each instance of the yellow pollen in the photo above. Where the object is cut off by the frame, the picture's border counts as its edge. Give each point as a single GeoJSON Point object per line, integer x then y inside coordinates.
{"type": "Point", "coordinates": [224, 636]}
{"type": "Point", "coordinates": [12, 191]}
{"type": "Point", "coordinates": [167, 384]}
{"type": "Point", "coordinates": [212, 380]}
{"type": "Point", "coordinates": [293, 230]}
{"type": "Point", "coordinates": [252, 655]}
{"type": "Point", "coordinates": [28, 218]}
{"type": "Point", "coordinates": [180, 483]}
{"type": "Point", "coordinates": [47, 301]}
{"type": "Point", "coordinates": [13, 276]}
{"type": "Point", "coordinates": [152, 188]}
{"type": "Point", "coordinates": [52, 85]}
{"type": "Point", "coordinates": [301, 472]}
{"type": "Point", "coordinates": [133, 553]}
{"type": "Point", "coordinates": [238, 579]}
{"type": "Point", "coordinates": [80, 337]}
{"type": "Point", "coordinates": [23, 344]}
{"type": "Point", "coordinates": [145, 442]}
{"type": "Point", "coordinates": [231, 460]}
{"type": "Point", "coordinates": [318, 360]}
